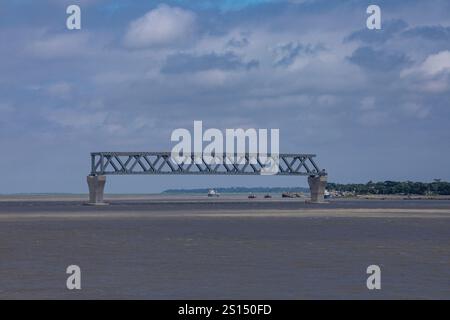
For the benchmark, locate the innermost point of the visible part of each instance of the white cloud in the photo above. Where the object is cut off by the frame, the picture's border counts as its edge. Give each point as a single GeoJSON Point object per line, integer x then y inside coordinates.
{"type": "Point", "coordinates": [432, 75]}
{"type": "Point", "coordinates": [437, 63]}
{"type": "Point", "coordinates": [212, 78]}
{"type": "Point", "coordinates": [374, 118]}
{"type": "Point", "coordinates": [416, 110]}
{"type": "Point", "coordinates": [436, 86]}
{"type": "Point", "coordinates": [62, 45]}
{"type": "Point", "coordinates": [162, 26]}
{"type": "Point", "coordinates": [77, 119]}
{"type": "Point", "coordinates": [59, 89]}
{"type": "Point", "coordinates": [432, 65]}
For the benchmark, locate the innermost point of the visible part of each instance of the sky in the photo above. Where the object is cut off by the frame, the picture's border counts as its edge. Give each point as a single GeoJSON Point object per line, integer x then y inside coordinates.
{"type": "Point", "coordinates": [372, 104]}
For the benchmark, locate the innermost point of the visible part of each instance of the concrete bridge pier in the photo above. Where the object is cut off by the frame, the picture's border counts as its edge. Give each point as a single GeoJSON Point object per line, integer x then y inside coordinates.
{"type": "Point", "coordinates": [96, 186]}
{"type": "Point", "coordinates": [317, 185]}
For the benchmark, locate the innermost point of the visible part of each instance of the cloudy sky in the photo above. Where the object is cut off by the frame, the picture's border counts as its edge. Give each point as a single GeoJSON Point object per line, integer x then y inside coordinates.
{"type": "Point", "coordinates": [372, 104]}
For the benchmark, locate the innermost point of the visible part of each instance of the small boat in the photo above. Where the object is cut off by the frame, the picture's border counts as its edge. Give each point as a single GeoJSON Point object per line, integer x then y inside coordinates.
{"type": "Point", "coordinates": [267, 196]}
{"type": "Point", "coordinates": [292, 195]}
{"type": "Point", "coordinates": [287, 195]}
{"type": "Point", "coordinates": [213, 193]}
{"type": "Point", "coordinates": [251, 196]}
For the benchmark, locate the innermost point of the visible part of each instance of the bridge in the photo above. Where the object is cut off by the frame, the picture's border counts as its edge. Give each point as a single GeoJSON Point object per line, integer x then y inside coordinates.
{"type": "Point", "coordinates": [161, 163]}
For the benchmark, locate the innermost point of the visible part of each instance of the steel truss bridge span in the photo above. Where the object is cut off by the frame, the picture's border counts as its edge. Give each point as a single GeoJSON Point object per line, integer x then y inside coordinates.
{"type": "Point", "coordinates": [162, 163]}
{"type": "Point", "coordinates": [132, 163]}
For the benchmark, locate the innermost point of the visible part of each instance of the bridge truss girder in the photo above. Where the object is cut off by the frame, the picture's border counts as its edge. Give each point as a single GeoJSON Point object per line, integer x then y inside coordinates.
{"type": "Point", "coordinates": [136, 163]}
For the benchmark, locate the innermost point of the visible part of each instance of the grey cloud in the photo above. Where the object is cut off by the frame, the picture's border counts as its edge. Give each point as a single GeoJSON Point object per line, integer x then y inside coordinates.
{"type": "Point", "coordinates": [286, 54]}
{"type": "Point", "coordinates": [238, 43]}
{"type": "Point", "coordinates": [435, 33]}
{"type": "Point", "coordinates": [371, 59]}
{"type": "Point", "coordinates": [185, 63]}
{"type": "Point", "coordinates": [389, 29]}
{"type": "Point", "coordinates": [397, 27]}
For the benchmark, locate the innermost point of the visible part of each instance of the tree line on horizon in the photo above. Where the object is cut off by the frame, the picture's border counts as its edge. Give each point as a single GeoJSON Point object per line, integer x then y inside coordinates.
{"type": "Point", "coordinates": [241, 190]}
{"type": "Point", "coordinates": [384, 187]}
{"type": "Point", "coordinates": [393, 187]}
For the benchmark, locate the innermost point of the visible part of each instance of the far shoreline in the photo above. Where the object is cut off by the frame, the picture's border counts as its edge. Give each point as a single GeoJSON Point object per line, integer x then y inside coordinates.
{"type": "Point", "coordinates": [203, 197]}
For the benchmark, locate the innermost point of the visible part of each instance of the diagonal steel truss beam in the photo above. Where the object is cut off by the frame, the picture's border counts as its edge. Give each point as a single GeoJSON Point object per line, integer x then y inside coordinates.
{"type": "Point", "coordinates": [132, 163]}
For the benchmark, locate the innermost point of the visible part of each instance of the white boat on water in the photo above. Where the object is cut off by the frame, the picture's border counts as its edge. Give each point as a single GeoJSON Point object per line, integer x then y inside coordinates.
{"type": "Point", "coordinates": [213, 193]}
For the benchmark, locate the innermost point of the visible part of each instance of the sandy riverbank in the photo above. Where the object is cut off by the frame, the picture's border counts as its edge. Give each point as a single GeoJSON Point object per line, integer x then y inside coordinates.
{"type": "Point", "coordinates": [232, 214]}
{"type": "Point", "coordinates": [199, 197]}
